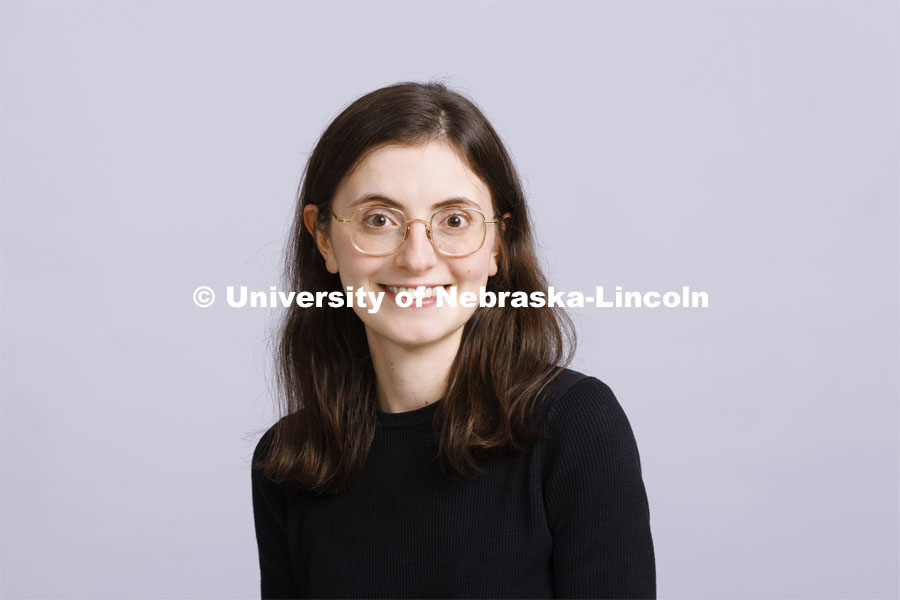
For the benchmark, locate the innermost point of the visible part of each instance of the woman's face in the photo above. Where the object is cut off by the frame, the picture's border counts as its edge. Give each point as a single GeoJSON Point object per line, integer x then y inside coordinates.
{"type": "Point", "coordinates": [417, 179]}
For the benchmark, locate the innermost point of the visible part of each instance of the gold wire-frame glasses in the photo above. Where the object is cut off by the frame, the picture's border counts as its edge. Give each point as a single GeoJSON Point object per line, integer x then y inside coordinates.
{"type": "Point", "coordinates": [456, 243]}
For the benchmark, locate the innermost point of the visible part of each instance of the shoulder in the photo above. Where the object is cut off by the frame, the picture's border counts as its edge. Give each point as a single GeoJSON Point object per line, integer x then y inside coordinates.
{"type": "Point", "coordinates": [572, 394]}
{"type": "Point", "coordinates": [264, 446]}
{"type": "Point", "coordinates": [592, 442]}
{"type": "Point", "coordinates": [582, 411]}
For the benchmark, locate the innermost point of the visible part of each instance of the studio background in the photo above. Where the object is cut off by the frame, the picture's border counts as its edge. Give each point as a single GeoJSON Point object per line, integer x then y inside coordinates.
{"type": "Point", "coordinates": [746, 149]}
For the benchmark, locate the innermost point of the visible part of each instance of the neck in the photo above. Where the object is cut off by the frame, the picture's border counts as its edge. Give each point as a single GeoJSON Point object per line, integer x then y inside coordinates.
{"type": "Point", "coordinates": [411, 377]}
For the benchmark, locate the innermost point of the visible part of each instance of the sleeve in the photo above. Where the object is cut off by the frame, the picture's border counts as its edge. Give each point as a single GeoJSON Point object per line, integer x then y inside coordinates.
{"type": "Point", "coordinates": [270, 521]}
{"type": "Point", "coordinates": [596, 503]}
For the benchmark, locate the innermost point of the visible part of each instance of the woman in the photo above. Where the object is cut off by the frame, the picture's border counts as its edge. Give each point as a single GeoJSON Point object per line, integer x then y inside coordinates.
{"type": "Point", "coordinates": [436, 451]}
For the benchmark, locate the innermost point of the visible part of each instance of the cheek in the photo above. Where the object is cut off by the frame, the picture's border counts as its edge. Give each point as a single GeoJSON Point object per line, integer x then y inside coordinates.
{"type": "Point", "coordinates": [477, 267]}
{"type": "Point", "coordinates": [352, 264]}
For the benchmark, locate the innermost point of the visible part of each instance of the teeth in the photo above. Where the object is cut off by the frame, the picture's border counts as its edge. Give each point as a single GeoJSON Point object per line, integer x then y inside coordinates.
{"type": "Point", "coordinates": [429, 292]}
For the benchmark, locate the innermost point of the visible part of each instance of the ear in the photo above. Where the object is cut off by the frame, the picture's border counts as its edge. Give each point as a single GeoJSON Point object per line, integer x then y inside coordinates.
{"type": "Point", "coordinates": [310, 216]}
{"type": "Point", "coordinates": [495, 251]}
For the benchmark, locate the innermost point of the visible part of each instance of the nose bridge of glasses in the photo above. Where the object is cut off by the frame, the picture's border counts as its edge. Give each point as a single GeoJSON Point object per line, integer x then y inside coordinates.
{"type": "Point", "coordinates": [412, 250]}
{"type": "Point", "coordinates": [409, 223]}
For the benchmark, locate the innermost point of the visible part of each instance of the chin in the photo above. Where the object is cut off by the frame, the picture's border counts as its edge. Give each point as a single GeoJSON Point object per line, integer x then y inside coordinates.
{"type": "Point", "coordinates": [417, 335]}
{"type": "Point", "coordinates": [412, 342]}
{"type": "Point", "coordinates": [414, 334]}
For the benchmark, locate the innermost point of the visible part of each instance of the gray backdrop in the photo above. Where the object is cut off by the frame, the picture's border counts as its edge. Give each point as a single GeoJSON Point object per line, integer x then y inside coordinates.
{"type": "Point", "coordinates": [748, 149]}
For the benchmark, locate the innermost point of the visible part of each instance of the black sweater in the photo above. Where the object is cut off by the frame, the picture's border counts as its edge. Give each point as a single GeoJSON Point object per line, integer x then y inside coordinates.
{"type": "Point", "coordinates": [569, 519]}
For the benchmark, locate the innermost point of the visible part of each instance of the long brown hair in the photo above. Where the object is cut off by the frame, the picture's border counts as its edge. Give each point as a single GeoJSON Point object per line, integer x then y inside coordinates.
{"type": "Point", "coordinates": [506, 357]}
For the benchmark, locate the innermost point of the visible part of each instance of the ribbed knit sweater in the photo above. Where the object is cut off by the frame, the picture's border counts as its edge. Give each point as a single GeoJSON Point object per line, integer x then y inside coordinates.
{"type": "Point", "coordinates": [568, 519]}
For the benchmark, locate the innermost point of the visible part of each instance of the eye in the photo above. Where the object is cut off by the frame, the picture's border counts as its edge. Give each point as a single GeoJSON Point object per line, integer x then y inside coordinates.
{"type": "Point", "coordinates": [378, 218]}
{"type": "Point", "coordinates": [457, 219]}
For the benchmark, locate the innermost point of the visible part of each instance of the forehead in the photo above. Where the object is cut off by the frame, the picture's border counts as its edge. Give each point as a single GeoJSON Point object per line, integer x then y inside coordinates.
{"type": "Point", "coordinates": [416, 177]}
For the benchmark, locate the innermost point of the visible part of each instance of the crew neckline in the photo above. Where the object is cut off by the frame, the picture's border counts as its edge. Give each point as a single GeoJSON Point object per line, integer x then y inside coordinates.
{"type": "Point", "coordinates": [417, 416]}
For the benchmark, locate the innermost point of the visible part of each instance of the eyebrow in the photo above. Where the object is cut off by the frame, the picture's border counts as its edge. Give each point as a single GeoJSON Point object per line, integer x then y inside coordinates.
{"type": "Point", "coordinates": [393, 203]}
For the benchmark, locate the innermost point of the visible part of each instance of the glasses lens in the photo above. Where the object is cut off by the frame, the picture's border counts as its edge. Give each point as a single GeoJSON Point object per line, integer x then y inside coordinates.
{"type": "Point", "coordinates": [378, 230]}
{"type": "Point", "coordinates": [458, 231]}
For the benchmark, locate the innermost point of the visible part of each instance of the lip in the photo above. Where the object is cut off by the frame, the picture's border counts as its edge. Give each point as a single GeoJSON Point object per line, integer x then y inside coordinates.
{"type": "Point", "coordinates": [415, 285]}
{"type": "Point", "coordinates": [423, 303]}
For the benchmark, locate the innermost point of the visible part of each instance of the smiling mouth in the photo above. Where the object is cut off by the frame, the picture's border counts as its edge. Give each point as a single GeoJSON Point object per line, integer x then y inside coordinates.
{"type": "Point", "coordinates": [429, 292]}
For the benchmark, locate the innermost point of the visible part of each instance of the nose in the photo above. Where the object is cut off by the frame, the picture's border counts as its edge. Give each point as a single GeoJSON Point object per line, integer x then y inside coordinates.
{"type": "Point", "coordinates": [416, 252]}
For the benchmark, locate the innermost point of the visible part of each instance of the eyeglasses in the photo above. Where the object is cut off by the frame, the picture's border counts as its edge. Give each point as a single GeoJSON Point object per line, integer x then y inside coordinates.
{"type": "Point", "coordinates": [380, 230]}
